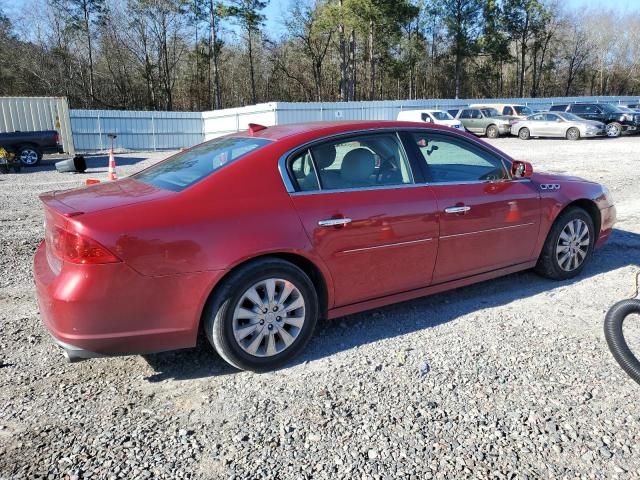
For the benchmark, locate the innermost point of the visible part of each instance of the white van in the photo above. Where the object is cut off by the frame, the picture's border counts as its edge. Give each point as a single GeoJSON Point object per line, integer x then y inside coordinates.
{"type": "Point", "coordinates": [506, 109]}
{"type": "Point", "coordinates": [430, 116]}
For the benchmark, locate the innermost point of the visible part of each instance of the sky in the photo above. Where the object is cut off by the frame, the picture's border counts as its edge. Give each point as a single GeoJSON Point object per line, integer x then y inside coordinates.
{"type": "Point", "coordinates": [277, 9]}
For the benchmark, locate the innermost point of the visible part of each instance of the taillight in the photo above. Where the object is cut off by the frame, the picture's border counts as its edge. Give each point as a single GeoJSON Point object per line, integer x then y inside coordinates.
{"type": "Point", "coordinates": [76, 248]}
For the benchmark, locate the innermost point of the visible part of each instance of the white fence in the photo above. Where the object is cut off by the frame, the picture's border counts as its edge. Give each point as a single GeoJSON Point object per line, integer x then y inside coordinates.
{"type": "Point", "coordinates": [37, 113]}
{"type": "Point", "coordinates": [135, 130]}
{"type": "Point", "coordinates": [173, 130]}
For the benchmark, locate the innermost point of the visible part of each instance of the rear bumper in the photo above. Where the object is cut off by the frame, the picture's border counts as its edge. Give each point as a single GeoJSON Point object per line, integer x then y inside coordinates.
{"type": "Point", "coordinates": [104, 310]}
{"type": "Point", "coordinates": [607, 220]}
{"type": "Point", "coordinates": [53, 149]}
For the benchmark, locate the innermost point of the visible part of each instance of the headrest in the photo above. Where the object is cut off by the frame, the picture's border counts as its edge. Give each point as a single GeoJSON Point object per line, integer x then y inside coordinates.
{"type": "Point", "coordinates": [358, 165]}
{"type": "Point", "coordinates": [324, 155]}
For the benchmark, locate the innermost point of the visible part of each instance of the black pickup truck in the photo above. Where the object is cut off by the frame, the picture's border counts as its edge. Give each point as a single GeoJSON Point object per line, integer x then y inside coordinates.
{"type": "Point", "coordinates": [615, 119]}
{"type": "Point", "coordinates": [29, 146]}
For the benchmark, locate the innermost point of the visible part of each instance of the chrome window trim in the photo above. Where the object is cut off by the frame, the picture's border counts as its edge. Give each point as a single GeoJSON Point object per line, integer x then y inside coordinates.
{"type": "Point", "coordinates": [290, 187]}
{"type": "Point", "coordinates": [282, 161]}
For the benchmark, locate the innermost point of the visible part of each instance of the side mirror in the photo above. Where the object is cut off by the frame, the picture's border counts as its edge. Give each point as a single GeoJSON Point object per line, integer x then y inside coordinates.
{"type": "Point", "coordinates": [520, 169]}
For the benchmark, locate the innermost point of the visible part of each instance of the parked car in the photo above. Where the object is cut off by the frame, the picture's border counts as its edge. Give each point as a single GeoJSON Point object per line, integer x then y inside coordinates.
{"type": "Point", "coordinates": [430, 116]}
{"type": "Point", "coordinates": [634, 106]}
{"type": "Point", "coordinates": [557, 124]}
{"type": "Point", "coordinates": [252, 237]}
{"type": "Point", "coordinates": [616, 120]}
{"type": "Point", "coordinates": [29, 146]}
{"type": "Point", "coordinates": [485, 121]}
{"type": "Point", "coordinates": [508, 109]}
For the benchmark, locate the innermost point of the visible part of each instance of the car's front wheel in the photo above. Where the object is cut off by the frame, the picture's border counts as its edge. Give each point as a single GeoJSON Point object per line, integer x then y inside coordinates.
{"type": "Point", "coordinates": [262, 315]}
{"type": "Point", "coordinates": [524, 133]}
{"type": "Point", "coordinates": [573, 134]}
{"type": "Point", "coordinates": [568, 245]}
{"type": "Point", "coordinates": [492, 131]}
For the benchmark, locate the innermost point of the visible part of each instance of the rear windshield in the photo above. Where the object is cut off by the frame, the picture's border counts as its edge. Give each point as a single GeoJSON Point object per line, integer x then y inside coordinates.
{"type": "Point", "coordinates": [186, 168]}
{"type": "Point", "coordinates": [438, 115]}
{"type": "Point", "coordinates": [522, 110]}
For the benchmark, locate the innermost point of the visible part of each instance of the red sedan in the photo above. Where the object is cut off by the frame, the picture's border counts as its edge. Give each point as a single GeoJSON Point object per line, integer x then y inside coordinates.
{"type": "Point", "coordinates": [254, 236]}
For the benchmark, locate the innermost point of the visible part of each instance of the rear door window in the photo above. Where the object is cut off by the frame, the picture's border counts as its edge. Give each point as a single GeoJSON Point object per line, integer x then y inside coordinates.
{"type": "Point", "coordinates": [189, 167]}
{"type": "Point", "coordinates": [361, 161]}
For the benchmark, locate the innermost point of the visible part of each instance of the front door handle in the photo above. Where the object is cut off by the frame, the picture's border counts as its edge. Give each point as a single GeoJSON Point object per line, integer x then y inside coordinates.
{"type": "Point", "coordinates": [463, 209]}
{"type": "Point", "coordinates": [334, 222]}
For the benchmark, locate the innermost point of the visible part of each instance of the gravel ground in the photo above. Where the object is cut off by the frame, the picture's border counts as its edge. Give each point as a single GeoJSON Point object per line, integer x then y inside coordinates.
{"type": "Point", "coordinates": [510, 378]}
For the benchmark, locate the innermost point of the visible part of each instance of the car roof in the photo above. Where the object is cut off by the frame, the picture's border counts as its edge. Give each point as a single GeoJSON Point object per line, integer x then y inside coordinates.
{"type": "Point", "coordinates": [279, 132]}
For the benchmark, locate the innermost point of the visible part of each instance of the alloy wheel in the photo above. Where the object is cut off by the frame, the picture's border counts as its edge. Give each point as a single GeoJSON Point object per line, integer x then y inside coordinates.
{"type": "Point", "coordinates": [28, 156]}
{"type": "Point", "coordinates": [268, 317]}
{"type": "Point", "coordinates": [612, 130]}
{"type": "Point", "coordinates": [573, 245]}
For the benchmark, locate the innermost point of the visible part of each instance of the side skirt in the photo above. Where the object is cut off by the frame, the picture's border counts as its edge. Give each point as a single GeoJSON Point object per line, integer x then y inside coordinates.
{"type": "Point", "coordinates": [423, 292]}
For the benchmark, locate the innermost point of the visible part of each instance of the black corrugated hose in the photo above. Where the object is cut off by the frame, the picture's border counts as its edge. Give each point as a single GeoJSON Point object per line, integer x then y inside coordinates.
{"type": "Point", "coordinates": [615, 337]}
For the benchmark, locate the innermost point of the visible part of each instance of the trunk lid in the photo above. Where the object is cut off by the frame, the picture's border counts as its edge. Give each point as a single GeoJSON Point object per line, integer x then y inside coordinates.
{"type": "Point", "coordinates": [102, 196]}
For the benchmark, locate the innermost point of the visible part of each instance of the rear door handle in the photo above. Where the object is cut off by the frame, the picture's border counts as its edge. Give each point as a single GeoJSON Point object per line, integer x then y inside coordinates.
{"type": "Point", "coordinates": [457, 209]}
{"type": "Point", "coordinates": [334, 222]}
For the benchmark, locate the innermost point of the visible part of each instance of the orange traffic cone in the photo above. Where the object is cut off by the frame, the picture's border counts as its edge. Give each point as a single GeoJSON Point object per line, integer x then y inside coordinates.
{"type": "Point", "coordinates": [113, 175]}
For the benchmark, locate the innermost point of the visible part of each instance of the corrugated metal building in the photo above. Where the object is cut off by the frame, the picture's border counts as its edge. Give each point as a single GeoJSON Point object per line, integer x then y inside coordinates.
{"type": "Point", "coordinates": [37, 113]}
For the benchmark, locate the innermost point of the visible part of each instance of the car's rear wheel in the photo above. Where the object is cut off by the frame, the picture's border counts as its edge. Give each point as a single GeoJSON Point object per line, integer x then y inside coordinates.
{"type": "Point", "coordinates": [492, 131]}
{"type": "Point", "coordinates": [262, 315]}
{"type": "Point", "coordinates": [568, 246]}
{"type": "Point", "coordinates": [524, 133]}
{"type": "Point", "coordinates": [573, 134]}
{"type": "Point", "coordinates": [614, 129]}
{"type": "Point", "coordinates": [29, 156]}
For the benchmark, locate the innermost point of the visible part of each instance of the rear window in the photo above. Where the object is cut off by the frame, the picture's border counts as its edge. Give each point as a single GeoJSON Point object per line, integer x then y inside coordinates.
{"type": "Point", "coordinates": [186, 168]}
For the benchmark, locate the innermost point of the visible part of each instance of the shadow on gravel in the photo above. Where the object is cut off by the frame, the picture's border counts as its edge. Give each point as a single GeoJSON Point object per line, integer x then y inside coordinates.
{"type": "Point", "coordinates": [345, 333]}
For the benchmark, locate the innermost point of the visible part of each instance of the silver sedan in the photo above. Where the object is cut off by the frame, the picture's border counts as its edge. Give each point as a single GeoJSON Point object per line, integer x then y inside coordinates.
{"type": "Point", "coordinates": [557, 124]}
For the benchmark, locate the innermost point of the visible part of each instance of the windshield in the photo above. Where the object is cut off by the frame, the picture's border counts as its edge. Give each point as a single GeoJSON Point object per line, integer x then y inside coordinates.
{"type": "Point", "coordinates": [186, 168]}
{"type": "Point", "coordinates": [490, 112]}
{"type": "Point", "coordinates": [570, 117]}
{"type": "Point", "coordinates": [609, 108]}
{"type": "Point", "coordinates": [522, 110]}
{"type": "Point", "coordinates": [439, 115]}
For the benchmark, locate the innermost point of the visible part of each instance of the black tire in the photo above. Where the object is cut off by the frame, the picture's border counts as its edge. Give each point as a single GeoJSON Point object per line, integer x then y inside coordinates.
{"type": "Point", "coordinates": [613, 129]}
{"type": "Point", "coordinates": [492, 131]}
{"type": "Point", "coordinates": [218, 313]}
{"type": "Point", "coordinates": [29, 155]}
{"type": "Point", "coordinates": [524, 134]}
{"type": "Point", "coordinates": [4, 168]}
{"type": "Point", "coordinates": [614, 334]}
{"type": "Point", "coordinates": [548, 265]}
{"type": "Point", "coordinates": [573, 134]}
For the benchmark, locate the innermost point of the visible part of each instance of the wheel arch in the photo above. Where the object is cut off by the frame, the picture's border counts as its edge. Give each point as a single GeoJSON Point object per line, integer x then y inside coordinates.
{"type": "Point", "coordinates": [309, 267]}
{"type": "Point", "coordinates": [590, 207]}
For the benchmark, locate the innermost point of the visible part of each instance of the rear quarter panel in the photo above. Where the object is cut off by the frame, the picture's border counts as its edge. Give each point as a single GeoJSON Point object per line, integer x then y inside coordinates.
{"type": "Point", "coordinates": [240, 212]}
